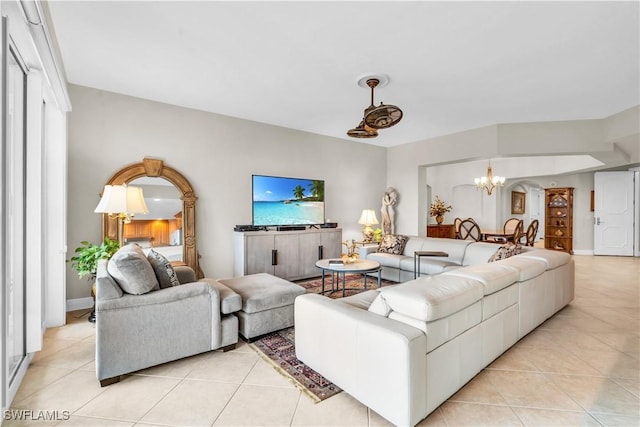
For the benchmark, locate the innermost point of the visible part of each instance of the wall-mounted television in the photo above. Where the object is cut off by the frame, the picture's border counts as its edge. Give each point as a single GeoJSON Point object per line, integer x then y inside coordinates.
{"type": "Point", "coordinates": [280, 200]}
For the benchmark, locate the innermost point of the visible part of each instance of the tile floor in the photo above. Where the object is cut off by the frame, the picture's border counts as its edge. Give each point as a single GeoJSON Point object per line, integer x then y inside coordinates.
{"type": "Point", "coordinates": [581, 367]}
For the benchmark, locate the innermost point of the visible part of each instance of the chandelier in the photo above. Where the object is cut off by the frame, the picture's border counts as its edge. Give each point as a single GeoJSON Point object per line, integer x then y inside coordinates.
{"type": "Point", "coordinates": [489, 182]}
{"type": "Point", "coordinates": [375, 118]}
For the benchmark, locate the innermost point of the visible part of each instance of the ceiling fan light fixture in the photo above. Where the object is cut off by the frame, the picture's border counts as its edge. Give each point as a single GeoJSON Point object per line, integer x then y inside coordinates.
{"type": "Point", "coordinates": [362, 131]}
{"type": "Point", "coordinates": [383, 116]}
{"type": "Point", "coordinates": [380, 117]}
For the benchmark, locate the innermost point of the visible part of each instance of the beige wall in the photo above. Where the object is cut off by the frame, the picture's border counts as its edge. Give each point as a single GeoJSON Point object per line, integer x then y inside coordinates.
{"type": "Point", "coordinates": [218, 154]}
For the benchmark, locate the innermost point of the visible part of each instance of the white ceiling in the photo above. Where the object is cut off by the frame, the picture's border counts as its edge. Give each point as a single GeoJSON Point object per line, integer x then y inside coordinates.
{"type": "Point", "coordinates": [453, 65]}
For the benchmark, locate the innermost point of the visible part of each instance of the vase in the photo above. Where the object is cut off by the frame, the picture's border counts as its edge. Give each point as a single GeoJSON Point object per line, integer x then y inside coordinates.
{"type": "Point", "coordinates": [349, 258]}
{"type": "Point", "coordinates": [439, 219]}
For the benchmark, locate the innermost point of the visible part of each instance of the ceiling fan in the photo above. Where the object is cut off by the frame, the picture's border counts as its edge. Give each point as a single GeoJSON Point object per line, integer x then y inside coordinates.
{"type": "Point", "coordinates": [375, 118]}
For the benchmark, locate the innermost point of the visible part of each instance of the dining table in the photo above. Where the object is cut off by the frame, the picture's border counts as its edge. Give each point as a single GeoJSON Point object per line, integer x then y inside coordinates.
{"type": "Point", "coordinates": [497, 236]}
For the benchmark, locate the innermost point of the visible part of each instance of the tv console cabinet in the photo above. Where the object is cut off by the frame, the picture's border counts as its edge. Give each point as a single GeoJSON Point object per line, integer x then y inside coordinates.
{"type": "Point", "coordinates": [291, 255]}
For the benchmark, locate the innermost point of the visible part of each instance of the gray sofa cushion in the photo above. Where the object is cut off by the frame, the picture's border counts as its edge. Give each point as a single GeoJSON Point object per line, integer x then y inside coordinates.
{"type": "Point", "coordinates": [185, 274]}
{"type": "Point", "coordinates": [163, 269]}
{"type": "Point", "coordinates": [263, 291]}
{"type": "Point", "coordinates": [107, 288]}
{"type": "Point", "coordinates": [132, 270]}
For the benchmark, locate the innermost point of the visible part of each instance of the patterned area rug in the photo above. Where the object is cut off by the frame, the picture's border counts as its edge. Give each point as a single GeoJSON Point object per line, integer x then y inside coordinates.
{"type": "Point", "coordinates": [278, 348]}
{"type": "Point", "coordinates": [354, 284]}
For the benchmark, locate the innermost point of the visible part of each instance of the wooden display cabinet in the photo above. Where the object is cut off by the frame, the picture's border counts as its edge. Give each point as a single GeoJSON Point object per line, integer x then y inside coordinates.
{"type": "Point", "coordinates": [558, 230]}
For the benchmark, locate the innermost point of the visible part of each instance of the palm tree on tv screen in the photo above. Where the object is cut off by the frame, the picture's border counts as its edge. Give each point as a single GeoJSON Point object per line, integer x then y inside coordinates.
{"type": "Point", "coordinates": [298, 192]}
{"type": "Point", "coordinates": [317, 189]}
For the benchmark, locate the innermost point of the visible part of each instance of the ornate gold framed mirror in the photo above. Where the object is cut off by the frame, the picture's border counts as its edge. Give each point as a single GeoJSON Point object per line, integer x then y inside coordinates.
{"type": "Point", "coordinates": [157, 168]}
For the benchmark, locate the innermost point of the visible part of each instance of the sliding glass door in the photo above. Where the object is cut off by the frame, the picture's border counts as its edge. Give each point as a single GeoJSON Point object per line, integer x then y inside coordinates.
{"type": "Point", "coordinates": [14, 203]}
{"type": "Point", "coordinates": [32, 189]}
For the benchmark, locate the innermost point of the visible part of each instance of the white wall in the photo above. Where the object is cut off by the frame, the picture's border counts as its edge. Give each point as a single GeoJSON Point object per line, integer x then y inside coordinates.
{"type": "Point", "coordinates": [404, 172]}
{"type": "Point", "coordinates": [218, 155]}
{"type": "Point", "coordinates": [436, 164]}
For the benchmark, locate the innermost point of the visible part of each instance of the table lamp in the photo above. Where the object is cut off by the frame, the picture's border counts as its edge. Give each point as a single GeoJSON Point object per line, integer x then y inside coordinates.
{"type": "Point", "coordinates": [368, 218]}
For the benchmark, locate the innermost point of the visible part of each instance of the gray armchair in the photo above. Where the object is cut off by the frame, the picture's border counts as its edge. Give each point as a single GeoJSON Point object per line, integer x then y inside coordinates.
{"type": "Point", "coordinates": [134, 332]}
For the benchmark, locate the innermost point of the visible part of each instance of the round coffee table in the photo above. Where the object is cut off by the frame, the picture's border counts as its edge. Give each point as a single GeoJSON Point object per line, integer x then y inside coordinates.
{"type": "Point", "coordinates": [361, 266]}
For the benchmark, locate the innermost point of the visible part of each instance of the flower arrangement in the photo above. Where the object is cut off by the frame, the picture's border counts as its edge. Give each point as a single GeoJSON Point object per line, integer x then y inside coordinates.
{"type": "Point", "coordinates": [351, 255]}
{"type": "Point", "coordinates": [351, 246]}
{"type": "Point", "coordinates": [439, 208]}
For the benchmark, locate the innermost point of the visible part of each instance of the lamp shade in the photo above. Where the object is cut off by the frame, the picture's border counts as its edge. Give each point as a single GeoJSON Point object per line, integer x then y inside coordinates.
{"type": "Point", "coordinates": [368, 217]}
{"type": "Point", "coordinates": [117, 199]}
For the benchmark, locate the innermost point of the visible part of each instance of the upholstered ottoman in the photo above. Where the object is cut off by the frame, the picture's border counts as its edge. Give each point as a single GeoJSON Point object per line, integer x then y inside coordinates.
{"type": "Point", "coordinates": [267, 303]}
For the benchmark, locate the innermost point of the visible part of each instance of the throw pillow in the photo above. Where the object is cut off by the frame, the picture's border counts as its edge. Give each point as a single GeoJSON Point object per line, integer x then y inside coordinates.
{"type": "Point", "coordinates": [393, 244]}
{"type": "Point", "coordinates": [164, 270]}
{"type": "Point", "coordinates": [132, 270]}
{"type": "Point", "coordinates": [506, 251]}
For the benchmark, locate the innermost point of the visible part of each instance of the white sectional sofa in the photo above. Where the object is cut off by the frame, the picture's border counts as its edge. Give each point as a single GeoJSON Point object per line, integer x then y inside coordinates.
{"type": "Point", "coordinates": [399, 268]}
{"type": "Point", "coordinates": [404, 349]}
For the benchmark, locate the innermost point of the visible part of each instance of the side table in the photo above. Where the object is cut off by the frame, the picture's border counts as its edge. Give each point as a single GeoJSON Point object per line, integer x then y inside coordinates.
{"type": "Point", "coordinates": [419, 254]}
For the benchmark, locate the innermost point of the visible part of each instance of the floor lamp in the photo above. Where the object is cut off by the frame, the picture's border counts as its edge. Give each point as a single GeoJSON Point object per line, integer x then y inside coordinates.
{"type": "Point", "coordinates": [122, 203]}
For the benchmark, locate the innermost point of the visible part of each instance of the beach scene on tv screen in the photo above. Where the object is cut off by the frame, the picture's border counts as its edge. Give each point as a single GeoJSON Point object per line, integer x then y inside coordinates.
{"type": "Point", "coordinates": [287, 201]}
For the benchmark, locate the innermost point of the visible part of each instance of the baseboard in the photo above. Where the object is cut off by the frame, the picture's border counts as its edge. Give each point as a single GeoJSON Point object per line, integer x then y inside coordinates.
{"type": "Point", "coordinates": [79, 303]}
{"type": "Point", "coordinates": [583, 252]}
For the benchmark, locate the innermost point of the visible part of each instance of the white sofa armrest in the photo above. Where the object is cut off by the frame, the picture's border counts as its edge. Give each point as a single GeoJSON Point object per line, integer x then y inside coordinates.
{"type": "Point", "coordinates": [366, 250]}
{"type": "Point", "coordinates": [379, 361]}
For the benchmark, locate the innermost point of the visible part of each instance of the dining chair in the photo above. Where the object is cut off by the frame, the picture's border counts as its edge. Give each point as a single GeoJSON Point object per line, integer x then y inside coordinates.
{"type": "Point", "coordinates": [469, 230]}
{"type": "Point", "coordinates": [514, 228]}
{"type": "Point", "coordinates": [532, 231]}
{"type": "Point", "coordinates": [510, 225]}
{"type": "Point", "coordinates": [518, 232]}
{"type": "Point", "coordinates": [456, 227]}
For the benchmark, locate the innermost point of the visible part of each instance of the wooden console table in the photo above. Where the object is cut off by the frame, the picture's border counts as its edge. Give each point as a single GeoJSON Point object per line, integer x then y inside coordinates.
{"type": "Point", "coordinates": [447, 231]}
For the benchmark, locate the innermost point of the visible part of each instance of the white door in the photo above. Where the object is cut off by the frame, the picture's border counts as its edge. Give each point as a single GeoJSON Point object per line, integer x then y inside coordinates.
{"type": "Point", "coordinates": [613, 221]}
{"type": "Point", "coordinates": [536, 209]}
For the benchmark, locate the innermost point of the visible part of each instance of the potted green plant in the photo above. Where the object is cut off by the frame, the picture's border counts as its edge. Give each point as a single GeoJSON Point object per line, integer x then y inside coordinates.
{"type": "Point", "coordinates": [85, 261]}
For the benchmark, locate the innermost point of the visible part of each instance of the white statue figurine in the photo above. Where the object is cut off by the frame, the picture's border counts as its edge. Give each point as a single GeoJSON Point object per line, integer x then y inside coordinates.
{"type": "Point", "coordinates": [389, 200]}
